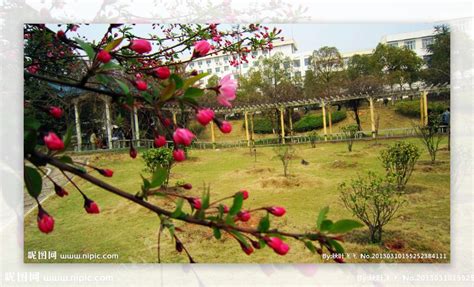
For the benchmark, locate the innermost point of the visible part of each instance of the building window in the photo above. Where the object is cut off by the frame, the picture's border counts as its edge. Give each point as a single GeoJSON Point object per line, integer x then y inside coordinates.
{"type": "Point", "coordinates": [410, 44]}
{"type": "Point", "coordinates": [209, 71]}
{"type": "Point", "coordinates": [199, 63]}
{"type": "Point", "coordinates": [427, 59]}
{"type": "Point", "coordinates": [286, 65]}
{"type": "Point", "coordinates": [191, 65]}
{"type": "Point", "coordinates": [296, 63]}
{"type": "Point", "coordinates": [307, 61]}
{"type": "Point", "coordinates": [218, 70]}
{"type": "Point", "coordinates": [208, 62]}
{"type": "Point", "coordinates": [393, 44]}
{"type": "Point", "coordinates": [346, 62]}
{"type": "Point", "coordinates": [226, 58]}
{"type": "Point", "coordinates": [426, 42]}
{"type": "Point", "coordinates": [226, 68]}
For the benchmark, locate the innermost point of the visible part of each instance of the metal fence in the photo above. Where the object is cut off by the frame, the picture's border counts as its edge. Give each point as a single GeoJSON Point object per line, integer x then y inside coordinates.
{"type": "Point", "coordinates": [300, 139]}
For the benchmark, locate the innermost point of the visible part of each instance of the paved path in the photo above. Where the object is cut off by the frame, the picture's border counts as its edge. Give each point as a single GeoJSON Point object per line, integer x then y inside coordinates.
{"type": "Point", "coordinates": [48, 187]}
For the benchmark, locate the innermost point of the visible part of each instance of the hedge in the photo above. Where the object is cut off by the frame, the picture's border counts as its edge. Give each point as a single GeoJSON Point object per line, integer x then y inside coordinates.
{"type": "Point", "coordinates": [312, 122]}
{"type": "Point", "coordinates": [412, 108]}
{"type": "Point", "coordinates": [262, 126]}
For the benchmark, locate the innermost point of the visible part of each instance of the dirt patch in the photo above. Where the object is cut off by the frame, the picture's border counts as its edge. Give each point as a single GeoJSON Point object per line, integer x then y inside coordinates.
{"type": "Point", "coordinates": [395, 244]}
{"type": "Point", "coordinates": [413, 188]}
{"type": "Point", "coordinates": [260, 170]}
{"type": "Point", "coordinates": [279, 182]}
{"type": "Point", "coordinates": [342, 164]}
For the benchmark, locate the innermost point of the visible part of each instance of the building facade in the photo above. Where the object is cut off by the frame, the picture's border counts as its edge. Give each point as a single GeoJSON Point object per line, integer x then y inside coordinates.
{"type": "Point", "coordinates": [300, 62]}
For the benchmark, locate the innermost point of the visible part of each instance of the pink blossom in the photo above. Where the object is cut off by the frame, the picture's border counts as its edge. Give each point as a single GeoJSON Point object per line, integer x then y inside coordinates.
{"type": "Point", "coordinates": [56, 112]}
{"type": "Point", "coordinates": [140, 85]}
{"type": "Point", "coordinates": [103, 56]}
{"type": "Point", "coordinates": [226, 90]}
{"type": "Point", "coordinates": [204, 116]}
{"type": "Point", "coordinates": [160, 141]}
{"type": "Point", "coordinates": [162, 73]}
{"type": "Point", "coordinates": [243, 216]}
{"type": "Point", "coordinates": [277, 210]}
{"type": "Point", "coordinates": [45, 221]}
{"type": "Point", "coordinates": [183, 136]}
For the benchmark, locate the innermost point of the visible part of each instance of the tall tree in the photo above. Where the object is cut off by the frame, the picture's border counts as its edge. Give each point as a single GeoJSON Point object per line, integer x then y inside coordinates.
{"type": "Point", "coordinates": [326, 64]}
{"type": "Point", "coordinates": [438, 65]}
{"type": "Point", "coordinates": [397, 66]}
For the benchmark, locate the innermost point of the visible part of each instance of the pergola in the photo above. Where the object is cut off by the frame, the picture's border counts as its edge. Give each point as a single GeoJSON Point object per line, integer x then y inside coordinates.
{"type": "Point", "coordinates": [420, 91]}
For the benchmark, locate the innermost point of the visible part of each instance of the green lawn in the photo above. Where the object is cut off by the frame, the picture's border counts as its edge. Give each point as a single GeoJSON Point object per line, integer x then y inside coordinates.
{"type": "Point", "coordinates": [122, 227]}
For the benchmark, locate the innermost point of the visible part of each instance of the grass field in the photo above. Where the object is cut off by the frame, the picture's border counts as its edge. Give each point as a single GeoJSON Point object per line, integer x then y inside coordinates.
{"type": "Point", "coordinates": [124, 228]}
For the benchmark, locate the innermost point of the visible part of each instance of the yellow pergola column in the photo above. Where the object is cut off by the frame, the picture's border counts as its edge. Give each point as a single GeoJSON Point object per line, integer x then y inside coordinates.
{"type": "Point", "coordinates": [330, 119]}
{"type": "Point", "coordinates": [323, 107]}
{"type": "Point", "coordinates": [251, 128]}
{"type": "Point", "coordinates": [175, 121]}
{"type": "Point", "coordinates": [422, 110]}
{"type": "Point", "coordinates": [282, 122]}
{"type": "Point", "coordinates": [372, 117]}
{"type": "Point", "coordinates": [425, 104]}
{"type": "Point", "coordinates": [290, 112]}
{"type": "Point", "coordinates": [247, 134]}
{"type": "Point", "coordinates": [213, 135]}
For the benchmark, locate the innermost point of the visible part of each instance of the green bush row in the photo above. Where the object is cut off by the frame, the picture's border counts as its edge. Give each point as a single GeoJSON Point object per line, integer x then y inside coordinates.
{"type": "Point", "coordinates": [312, 122]}
{"type": "Point", "coordinates": [412, 108]}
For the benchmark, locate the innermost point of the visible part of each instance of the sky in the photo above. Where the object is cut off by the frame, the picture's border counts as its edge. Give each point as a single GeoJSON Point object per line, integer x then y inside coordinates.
{"type": "Point", "coordinates": [308, 37]}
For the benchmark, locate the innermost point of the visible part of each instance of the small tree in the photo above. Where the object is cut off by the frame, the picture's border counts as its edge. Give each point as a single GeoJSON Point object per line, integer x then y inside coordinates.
{"type": "Point", "coordinates": [430, 136]}
{"type": "Point", "coordinates": [350, 133]}
{"type": "Point", "coordinates": [374, 200]}
{"type": "Point", "coordinates": [285, 154]}
{"type": "Point", "coordinates": [399, 161]}
{"type": "Point", "coordinates": [158, 158]}
{"type": "Point", "coordinates": [313, 137]}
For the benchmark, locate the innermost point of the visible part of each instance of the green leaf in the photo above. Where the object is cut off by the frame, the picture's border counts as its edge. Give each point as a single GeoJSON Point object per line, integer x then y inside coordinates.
{"type": "Point", "coordinates": [33, 181]}
{"type": "Point", "coordinates": [345, 225]}
{"type": "Point", "coordinates": [146, 183]}
{"type": "Point", "coordinates": [177, 212]}
{"type": "Point", "coordinates": [177, 80]}
{"type": "Point", "coordinates": [86, 47]}
{"type": "Point", "coordinates": [167, 92]}
{"type": "Point", "coordinates": [240, 237]}
{"type": "Point", "coordinates": [217, 233]}
{"type": "Point", "coordinates": [30, 141]}
{"type": "Point", "coordinates": [264, 224]}
{"type": "Point", "coordinates": [67, 137]}
{"type": "Point", "coordinates": [31, 123]}
{"type": "Point", "coordinates": [158, 177]}
{"type": "Point", "coordinates": [326, 225]}
{"type": "Point", "coordinates": [322, 216]}
{"type": "Point", "coordinates": [190, 81]}
{"type": "Point", "coordinates": [148, 97]}
{"type": "Point", "coordinates": [338, 247]}
{"type": "Point", "coordinates": [109, 66]}
{"type": "Point", "coordinates": [193, 93]}
{"type": "Point", "coordinates": [66, 159]}
{"type": "Point", "coordinates": [237, 204]}
{"type": "Point", "coordinates": [110, 46]}
{"type": "Point", "coordinates": [123, 86]}
{"type": "Point", "coordinates": [310, 246]}
{"type": "Point", "coordinates": [103, 79]}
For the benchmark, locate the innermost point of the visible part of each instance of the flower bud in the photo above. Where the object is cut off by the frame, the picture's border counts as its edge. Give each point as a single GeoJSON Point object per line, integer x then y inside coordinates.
{"type": "Point", "coordinates": [103, 56]}
{"type": "Point", "coordinates": [140, 46]}
{"type": "Point", "coordinates": [56, 112]}
{"type": "Point", "coordinates": [140, 85]}
{"type": "Point", "coordinates": [256, 244]}
{"type": "Point", "coordinates": [91, 206]}
{"type": "Point", "coordinates": [245, 193]}
{"type": "Point", "coordinates": [162, 73]}
{"type": "Point", "coordinates": [133, 152]}
{"type": "Point", "coordinates": [225, 127]}
{"type": "Point", "coordinates": [226, 208]}
{"type": "Point", "coordinates": [159, 141]}
{"type": "Point", "coordinates": [277, 210]}
{"type": "Point", "coordinates": [246, 248]}
{"type": "Point", "coordinates": [60, 34]}
{"type": "Point", "coordinates": [195, 202]}
{"type": "Point", "coordinates": [187, 186]}
{"type": "Point", "coordinates": [204, 116]}
{"type": "Point", "coordinates": [106, 172]}
{"type": "Point", "coordinates": [45, 221]}
{"type": "Point", "coordinates": [53, 142]}
{"type": "Point", "coordinates": [201, 48]}
{"type": "Point", "coordinates": [243, 216]}
{"type": "Point", "coordinates": [179, 155]}
{"type": "Point", "coordinates": [183, 136]}
{"type": "Point", "coordinates": [59, 190]}
{"type": "Point", "coordinates": [179, 246]}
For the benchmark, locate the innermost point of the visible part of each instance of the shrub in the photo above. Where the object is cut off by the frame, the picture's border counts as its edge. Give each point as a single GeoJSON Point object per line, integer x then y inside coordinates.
{"type": "Point", "coordinates": [399, 161]}
{"type": "Point", "coordinates": [285, 154]}
{"type": "Point", "coordinates": [372, 199]}
{"type": "Point", "coordinates": [158, 157]}
{"type": "Point", "coordinates": [430, 136]}
{"type": "Point", "coordinates": [262, 126]}
{"type": "Point", "coordinates": [313, 122]}
{"type": "Point", "coordinates": [350, 133]}
{"type": "Point", "coordinates": [412, 108]}
{"type": "Point", "coordinates": [313, 137]}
